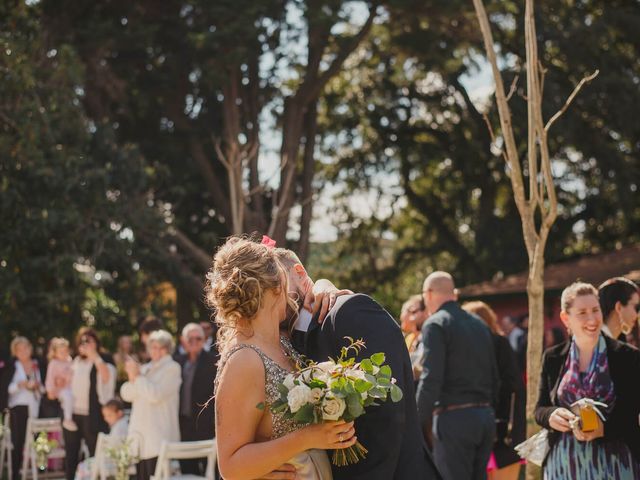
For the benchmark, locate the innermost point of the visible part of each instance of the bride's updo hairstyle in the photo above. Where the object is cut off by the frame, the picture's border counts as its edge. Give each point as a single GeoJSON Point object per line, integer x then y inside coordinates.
{"type": "Point", "coordinates": [243, 271]}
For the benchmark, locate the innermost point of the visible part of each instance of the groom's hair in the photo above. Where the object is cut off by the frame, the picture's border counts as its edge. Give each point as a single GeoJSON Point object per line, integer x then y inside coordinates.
{"type": "Point", "coordinates": [287, 258]}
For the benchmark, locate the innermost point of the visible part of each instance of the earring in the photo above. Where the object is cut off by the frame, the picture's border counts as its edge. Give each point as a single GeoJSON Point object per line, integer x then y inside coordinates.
{"type": "Point", "coordinates": [624, 328]}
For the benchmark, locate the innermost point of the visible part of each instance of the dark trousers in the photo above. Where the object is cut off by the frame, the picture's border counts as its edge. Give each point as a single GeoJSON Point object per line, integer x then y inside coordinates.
{"type": "Point", "coordinates": [145, 468]}
{"type": "Point", "coordinates": [462, 442]}
{"type": "Point", "coordinates": [72, 443]}
{"type": "Point", "coordinates": [18, 417]}
{"type": "Point", "coordinates": [189, 433]}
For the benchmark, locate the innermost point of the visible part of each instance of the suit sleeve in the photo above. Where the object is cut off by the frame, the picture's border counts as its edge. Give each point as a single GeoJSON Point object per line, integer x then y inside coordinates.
{"type": "Point", "coordinates": [433, 367]}
{"type": "Point", "coordinates": [381, 429]}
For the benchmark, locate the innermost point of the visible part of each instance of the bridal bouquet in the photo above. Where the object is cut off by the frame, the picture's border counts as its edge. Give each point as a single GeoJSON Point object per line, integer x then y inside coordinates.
{"type": "Point", "coordinates": [338, 390]}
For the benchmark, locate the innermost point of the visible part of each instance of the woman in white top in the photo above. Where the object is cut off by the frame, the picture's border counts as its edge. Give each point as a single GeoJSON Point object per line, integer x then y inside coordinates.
{"type": "Point", "coordinates": [154, 393]}
{"type": "Point", "coordinates": [93, 384]}
{"type": "Point", "coordinates": [24, 390]}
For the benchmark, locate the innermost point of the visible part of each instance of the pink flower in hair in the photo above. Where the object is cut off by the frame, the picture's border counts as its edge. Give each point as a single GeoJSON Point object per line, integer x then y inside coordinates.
{"type": "Point", "coordinates": [269, 242]}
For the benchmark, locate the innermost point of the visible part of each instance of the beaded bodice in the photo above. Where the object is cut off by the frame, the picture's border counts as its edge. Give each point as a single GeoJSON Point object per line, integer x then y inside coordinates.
{"type": "Point", "coordinates": [274, 376]}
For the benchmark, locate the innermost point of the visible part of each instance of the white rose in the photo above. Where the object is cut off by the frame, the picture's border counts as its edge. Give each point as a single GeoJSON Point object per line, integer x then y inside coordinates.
{"type": "Point", "coordinates": [288, 381]}
{"type": "Point", "coordinates": [316, 395]}
{"type": "Point", "coordinates": [298, 396]}
{"type": "Point", "coordinates": [332, 407]}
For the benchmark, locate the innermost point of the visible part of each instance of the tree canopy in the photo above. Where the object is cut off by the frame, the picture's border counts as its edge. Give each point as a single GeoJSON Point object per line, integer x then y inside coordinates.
{"type": "Point", "coordinates": [135, 137]}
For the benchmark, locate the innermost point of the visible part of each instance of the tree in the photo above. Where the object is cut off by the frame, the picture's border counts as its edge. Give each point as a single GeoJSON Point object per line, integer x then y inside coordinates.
{"type": "Point", "coordinates": [65, 189]}
{"type": "Point", "coordinates": [538, 206]}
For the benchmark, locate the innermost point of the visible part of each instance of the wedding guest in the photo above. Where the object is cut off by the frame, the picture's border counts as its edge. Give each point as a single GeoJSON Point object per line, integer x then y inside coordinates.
{"type": "Point", "coordinates": [620, 304]}
{"type": "Point", "coordinates": [209, 334]}
{"type": "Point", "coordinates": [596, 367]}
{"type": "Point", "coordinates": [58, 379]}
{"type": "Point", "coordinates": [198, 373]}
{"type": "Point", "coordinates": [459, 383]}
{"type": "Point", "coordinates": [154, 393]}
{"type": "Point", "coordinates": [22, 389]}
{"type": "Point", "coordinates": [412, 317]}
{"type": "Point", "coordinates": [504, 463]}
{"type": "Point", "coordinates": [113, 414]}
{"type": "Point", "coordinates": [92, 385]}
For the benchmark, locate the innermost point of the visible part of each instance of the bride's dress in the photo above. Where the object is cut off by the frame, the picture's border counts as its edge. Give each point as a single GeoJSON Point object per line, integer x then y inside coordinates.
{"type": "Point", "coordinates": [311, 464]}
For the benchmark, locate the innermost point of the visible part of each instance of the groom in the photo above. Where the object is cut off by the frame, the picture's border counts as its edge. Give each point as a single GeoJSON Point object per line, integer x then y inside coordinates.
{"type": "Point", "coordinates": [389, 431]}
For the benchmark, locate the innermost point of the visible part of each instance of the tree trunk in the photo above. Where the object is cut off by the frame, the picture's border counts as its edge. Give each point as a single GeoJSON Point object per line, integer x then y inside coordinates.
{"type": "Point", "coordinates": [308, 170]}
{"type": "Point", "coordinates": [535, 296]}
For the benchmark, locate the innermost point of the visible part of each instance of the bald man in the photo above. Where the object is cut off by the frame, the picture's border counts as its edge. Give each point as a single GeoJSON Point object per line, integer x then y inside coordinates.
{"type": "Point", "coordinates": [458, 385]}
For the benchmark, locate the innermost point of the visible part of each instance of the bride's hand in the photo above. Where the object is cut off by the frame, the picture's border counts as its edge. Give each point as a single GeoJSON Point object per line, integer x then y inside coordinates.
{"type": "Point", "coordinates": [330, 435]}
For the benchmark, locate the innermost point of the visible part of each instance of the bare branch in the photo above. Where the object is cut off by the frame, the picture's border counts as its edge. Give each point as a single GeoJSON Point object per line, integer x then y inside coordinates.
{"type": "Point", "coordinates": [575, 92]}
{"type": "Point", "coordinates": [202, 258]}
{"type": "Point", "coordinates": [512, 89]}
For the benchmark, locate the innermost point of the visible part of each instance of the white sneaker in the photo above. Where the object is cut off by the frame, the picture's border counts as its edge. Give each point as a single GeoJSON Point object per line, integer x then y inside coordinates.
{"type": "Point", "coordinates": [70, 425]}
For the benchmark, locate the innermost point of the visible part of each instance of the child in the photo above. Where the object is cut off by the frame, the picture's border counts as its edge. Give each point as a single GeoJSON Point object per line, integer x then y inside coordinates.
{"type": "Point", "coordinates": [113, 413]}
{"type": "Point", "coordinates": [58, 380]}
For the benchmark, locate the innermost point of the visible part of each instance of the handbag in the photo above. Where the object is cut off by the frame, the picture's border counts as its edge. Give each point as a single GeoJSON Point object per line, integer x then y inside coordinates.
{"type": "Point", "coordinates": [535, 448]}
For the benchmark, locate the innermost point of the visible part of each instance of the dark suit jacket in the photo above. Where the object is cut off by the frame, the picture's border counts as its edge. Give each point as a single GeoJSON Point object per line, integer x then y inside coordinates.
{"type": "Point", "coordinates": [389, 431]}
{"type": "Point", "coordinates": [201, 393]}
{"type": "Point", "coordinates": [624, 368]}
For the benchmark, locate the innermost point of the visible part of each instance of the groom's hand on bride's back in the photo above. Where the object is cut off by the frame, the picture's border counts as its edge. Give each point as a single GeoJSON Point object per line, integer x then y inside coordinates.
{"type": "Point", "coordinates": [322, 298]}
{"type": "Point", "coordinates": [283, 472]}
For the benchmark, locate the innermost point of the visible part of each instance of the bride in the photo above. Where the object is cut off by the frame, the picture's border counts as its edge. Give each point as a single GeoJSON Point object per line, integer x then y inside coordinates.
{"type": "Point", "coordinates": [247, 287]}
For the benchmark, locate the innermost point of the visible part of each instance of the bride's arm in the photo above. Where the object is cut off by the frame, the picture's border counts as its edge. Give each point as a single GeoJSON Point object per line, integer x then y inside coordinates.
{"type": "Point", "coordinates": [240, 390]}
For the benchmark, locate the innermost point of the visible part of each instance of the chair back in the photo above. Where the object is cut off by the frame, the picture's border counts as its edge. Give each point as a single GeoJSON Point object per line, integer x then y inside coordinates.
{"type": "Point", "coordinates": [5, 445]}
{"type": "Point", "coordinates": [35, 426]}
{"type": "Point", "coordinates": [183, 451]}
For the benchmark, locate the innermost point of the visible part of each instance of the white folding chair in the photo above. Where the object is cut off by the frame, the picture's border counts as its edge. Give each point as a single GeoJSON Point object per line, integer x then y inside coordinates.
{"type": "Point", "coordinates": [34, 427]}
{"type": "Point", "coordinates": [183, 451]}
{"type": "Point", "coordinates": [6, 446]}
{"type": "Point", "coordinates": [104, 467]}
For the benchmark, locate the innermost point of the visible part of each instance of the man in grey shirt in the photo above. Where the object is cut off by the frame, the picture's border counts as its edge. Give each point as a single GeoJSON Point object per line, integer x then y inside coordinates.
{"type": "Point", "coordinates": [458, 385]}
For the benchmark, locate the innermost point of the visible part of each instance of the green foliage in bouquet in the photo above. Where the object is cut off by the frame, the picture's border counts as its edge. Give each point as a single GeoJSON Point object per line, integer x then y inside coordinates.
{"type": "Point", "coordinates": [338, 389]}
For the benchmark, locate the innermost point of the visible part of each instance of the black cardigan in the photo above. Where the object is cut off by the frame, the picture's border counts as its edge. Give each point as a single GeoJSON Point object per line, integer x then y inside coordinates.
{"type": "Point", "coordinates": [624, 367]}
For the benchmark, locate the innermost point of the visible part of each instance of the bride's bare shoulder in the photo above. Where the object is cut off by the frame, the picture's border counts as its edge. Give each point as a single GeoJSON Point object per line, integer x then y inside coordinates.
{"type": "Point", "coordinates": [243, 367]}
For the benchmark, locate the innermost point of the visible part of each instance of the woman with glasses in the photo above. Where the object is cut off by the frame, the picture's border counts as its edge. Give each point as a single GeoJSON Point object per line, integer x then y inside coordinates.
{"type": "Point", "coordinates": [93, 383]}
{"type": "Point", "coordinates": [620, 304]}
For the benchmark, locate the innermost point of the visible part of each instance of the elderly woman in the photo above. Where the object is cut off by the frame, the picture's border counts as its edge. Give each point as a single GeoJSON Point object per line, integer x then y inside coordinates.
{"type": "Point", "coordinates": [620, 304]}
{"type": "Point", "coordinates": [154, 393]}
{"type": "Point", "coordinates": [598, 368]}
{"type": "Point", "coordinates": [22, 389]}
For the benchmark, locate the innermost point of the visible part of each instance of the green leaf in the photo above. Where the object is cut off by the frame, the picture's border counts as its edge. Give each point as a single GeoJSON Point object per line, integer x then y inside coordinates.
{"type": "Point", "coordinates": [378, 358]}
{"type": "Point", "coordinates": [354, 405]}
{"type": "Point", "coordinates": [362, 385]}
{"type": "Point", "coordinates": [284, 391]}
{"type": "Point", "coordinates": [384, 382]}
{"type": "Point", "coordinates": [377, 392]}
{"type": "Point", "coordinates": [385, 371]}
{"type": "Point", "coordinates": [367, 366]}
{"type": "Point", "coordinates": [305, 414]}
{"type": "Point", "coordinates": [396, 393]}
